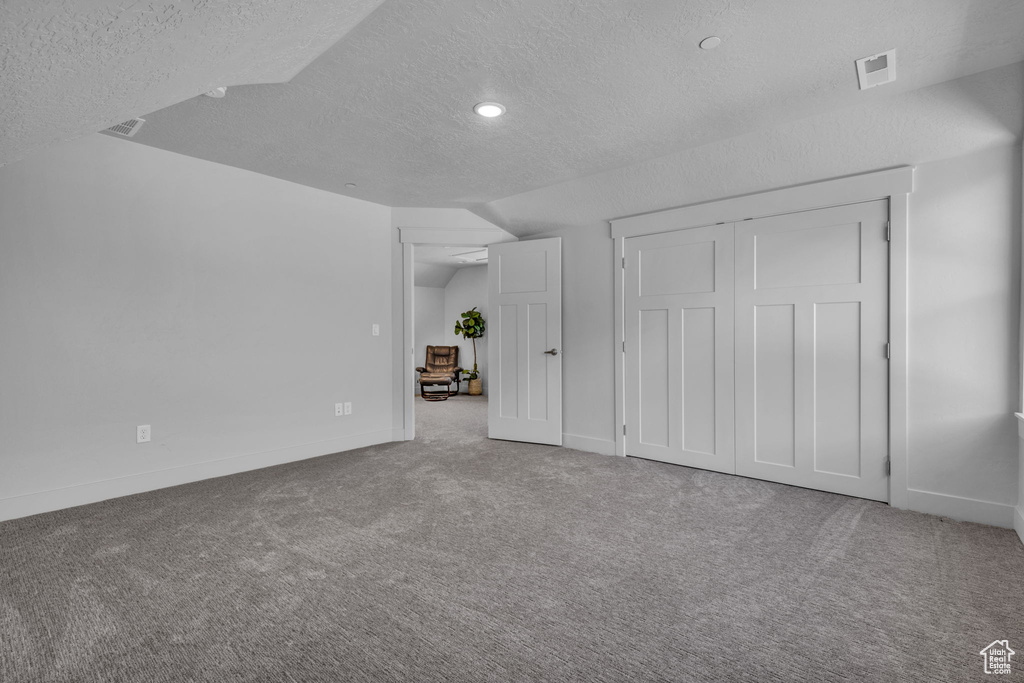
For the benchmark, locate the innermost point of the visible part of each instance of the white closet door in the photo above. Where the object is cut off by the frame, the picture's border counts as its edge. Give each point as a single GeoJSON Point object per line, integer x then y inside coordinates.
{"type": "Point", "coordinates": [811, 334]}
{"type": "Point", "coordinates": [679, 341]}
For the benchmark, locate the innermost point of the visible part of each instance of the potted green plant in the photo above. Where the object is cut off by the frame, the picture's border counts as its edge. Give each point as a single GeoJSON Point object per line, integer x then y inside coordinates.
{"type": "Point", "coordinates": [471, 326]}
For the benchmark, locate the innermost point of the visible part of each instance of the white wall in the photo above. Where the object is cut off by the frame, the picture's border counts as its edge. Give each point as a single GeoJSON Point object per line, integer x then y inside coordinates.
{"type": "Point", "coordinates": [588, 342]}
{"type": "Point", "coordinates": [227, 309]}
{"type": "Point", "coordinates": [1018, 515]}
{"type": "Point", "coordinates": [429, 316]}
{"type": "Point", "coordinates": [965, 224]}
{"type": "Point", "coordinates": [964, 306]}
{"type": "Point", "coordinates": [943, 121]}
{"type": "Point", "coordinates": [468, 288]}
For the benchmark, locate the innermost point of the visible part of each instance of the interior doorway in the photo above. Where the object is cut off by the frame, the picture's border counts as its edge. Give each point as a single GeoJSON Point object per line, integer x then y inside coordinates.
{"type": "Point", "coordinates": [449, 332]}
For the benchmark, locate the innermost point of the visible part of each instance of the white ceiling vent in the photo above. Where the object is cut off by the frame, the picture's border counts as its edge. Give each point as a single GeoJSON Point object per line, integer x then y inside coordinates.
{"type": "Point", "coordinates": [876, 69]}
{"type": "Point", "coordinates": [128, 128]}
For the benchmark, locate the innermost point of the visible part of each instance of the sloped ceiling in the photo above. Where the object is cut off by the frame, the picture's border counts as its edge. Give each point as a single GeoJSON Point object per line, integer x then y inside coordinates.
{"type": "Point", "coordinates": [590, 86]}
{"type": "Point", "coordinates": [435, 266]}
{"type": "Point", "coordinates": [598, 92]}
{"type": "Point", "coordinates": [938, 122]}
{"type": "Point", "coordinates": [71, 67]}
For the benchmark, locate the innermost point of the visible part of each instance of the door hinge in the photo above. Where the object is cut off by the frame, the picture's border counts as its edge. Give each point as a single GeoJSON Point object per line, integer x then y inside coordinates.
{"type": "Point", "coordinates": [623, 430]}
{"type": "Point", "coordinates": [888, 231]}
{"type": "Point", "coordinates": [888, 466]}
{"type": "Point", "coordinates": [623, 262]}
{"type": "Point", "coordinates": [888, 350]}
{"type": "Point", "coordinates": [623, 347]}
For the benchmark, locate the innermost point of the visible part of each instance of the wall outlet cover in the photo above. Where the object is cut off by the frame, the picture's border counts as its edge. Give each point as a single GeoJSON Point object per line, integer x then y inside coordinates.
{"type": "Point", "coordinates": [143, 433]}
{"type": "Point", "coordinates": [348, 408]}
{"type": "Point", "coordinates": [339, 409]}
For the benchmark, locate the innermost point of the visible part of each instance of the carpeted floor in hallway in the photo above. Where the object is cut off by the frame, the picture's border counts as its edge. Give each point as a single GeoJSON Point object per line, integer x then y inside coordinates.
{"type": "Point", "coordinates": [455, 558]}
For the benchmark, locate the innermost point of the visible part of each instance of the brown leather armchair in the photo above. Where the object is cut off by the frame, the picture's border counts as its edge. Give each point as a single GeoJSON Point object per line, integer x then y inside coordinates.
{"type": "Point", "coordinates": [440, 369]}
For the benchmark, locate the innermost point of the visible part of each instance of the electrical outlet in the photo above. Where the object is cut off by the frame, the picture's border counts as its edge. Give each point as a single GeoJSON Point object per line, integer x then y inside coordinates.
{"type": "Point", "coordinates": [348, 408]}
{"type": "Point", "coordinates": [339, 409]}
{"type": "Point", "coordinates": [376, 330]}
{"type": "Point", "coordinates": [142, 434]}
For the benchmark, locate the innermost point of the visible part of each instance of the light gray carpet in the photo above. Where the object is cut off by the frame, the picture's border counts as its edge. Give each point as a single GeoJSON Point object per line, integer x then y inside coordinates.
{"type": "Point", "coordinates": [458, 559]}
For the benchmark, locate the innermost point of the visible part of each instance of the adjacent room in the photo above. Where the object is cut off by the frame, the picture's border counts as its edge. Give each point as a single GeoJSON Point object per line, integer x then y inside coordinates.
{"type": "Point", "coordinates": [511, 340]}
{"type": "Point", "coordinates": [450, 289]}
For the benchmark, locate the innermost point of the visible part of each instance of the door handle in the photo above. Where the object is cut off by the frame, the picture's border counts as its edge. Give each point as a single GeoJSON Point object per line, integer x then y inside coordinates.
{"type": "Point", "coordinates": [552, 352]}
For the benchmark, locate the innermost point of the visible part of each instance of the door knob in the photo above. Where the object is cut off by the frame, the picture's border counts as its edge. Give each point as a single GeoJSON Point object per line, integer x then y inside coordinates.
{"type": "Point", "coordinates": [552, 352]}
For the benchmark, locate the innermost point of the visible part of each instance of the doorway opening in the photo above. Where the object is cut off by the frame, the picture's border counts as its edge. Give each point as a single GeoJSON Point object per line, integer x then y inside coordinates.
{"type": "Point", "coordinates": [522, 368]}
{"type": "Point", "coordinates": [449, 339]}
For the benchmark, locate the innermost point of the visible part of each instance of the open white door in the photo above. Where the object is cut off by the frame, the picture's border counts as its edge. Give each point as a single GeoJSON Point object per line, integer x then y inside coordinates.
{"type": "Point", "coordinates": [525, 331]}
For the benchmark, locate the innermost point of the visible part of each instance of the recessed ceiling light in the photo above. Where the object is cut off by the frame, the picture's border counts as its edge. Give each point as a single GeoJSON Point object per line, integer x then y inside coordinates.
{"type": "Point", "coordinates": [350, 184]}
{"type": "Point", "coordinates": [710, 43]}
{"type": "Point", "coordinates": [217, 92]}
{"type": "Point", "coordinates": [489, 109]}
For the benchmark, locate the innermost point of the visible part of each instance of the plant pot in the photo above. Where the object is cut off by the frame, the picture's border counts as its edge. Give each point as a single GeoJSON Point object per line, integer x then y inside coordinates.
{"type": "Point", "coordinates": [476, 387]}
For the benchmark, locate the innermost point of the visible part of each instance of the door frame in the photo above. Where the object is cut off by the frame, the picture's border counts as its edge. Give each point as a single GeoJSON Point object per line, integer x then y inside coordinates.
{"type": "Point", "coordinates": [894, 184]}
{"type": "Point", "coordinates": [404, 386]}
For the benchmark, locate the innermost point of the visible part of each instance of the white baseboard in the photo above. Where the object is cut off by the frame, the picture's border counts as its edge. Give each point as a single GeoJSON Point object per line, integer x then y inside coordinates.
{"type": "Point", "coordinates": [962, 509]}
{"type": "Point", "coordinates": [589, 444]}
{"type": "Point", "coordinates": [93, 492]}
{"type": "Point", "coordinates": [1018, 521]}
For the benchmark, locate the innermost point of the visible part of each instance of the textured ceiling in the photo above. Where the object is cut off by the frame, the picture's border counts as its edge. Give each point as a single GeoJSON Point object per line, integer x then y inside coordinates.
{"type": "Point", "coordinates": [598, 92]}
{"type": "Point", "coordinates": [71, 67]}
{"type": "Point", "coordinates": [946, 120]}
{"type": "Point", "coordinates": [590, 85]}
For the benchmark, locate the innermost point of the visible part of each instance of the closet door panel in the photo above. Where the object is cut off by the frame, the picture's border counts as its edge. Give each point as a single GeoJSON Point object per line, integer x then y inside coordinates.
{"type": "Point", "coordinates": [679, 347]}
{"type": "Point", "coordinates": [811, 334]}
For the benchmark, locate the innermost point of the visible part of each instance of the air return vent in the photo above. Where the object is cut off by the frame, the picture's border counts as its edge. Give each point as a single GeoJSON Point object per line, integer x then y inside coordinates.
{"type": "Point", "coordinates": [128, 128]}
{"type": "Point", "coordinates": [876, 69]}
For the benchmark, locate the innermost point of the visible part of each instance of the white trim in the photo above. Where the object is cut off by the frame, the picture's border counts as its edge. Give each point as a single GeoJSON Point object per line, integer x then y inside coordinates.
{"type": "Point", "coordinates": [962, 509]}
{"type": "Point", "coordinates": [588, 444]}
{"type": "Point", "coordinates": [819, 195]}
{"type": "Point", "coordinates": [96, 491]}
{"type": "Point", "coordinates": [892, 184]}
{"type": "Point", "coordinates": [454, 237]}
{"type": "Point", "coordinates": [408, 340]}
{"type": "Point", "coordinates": [620, 356]}
{"type": "Point", "coordinates": [398, 343]}
{"type": "Point", "coordinates": [899, 349]}
{"type": "Point", "coordinates": [1018, 517]}
{"type": "Point", "coordinates": [1018, 512]}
